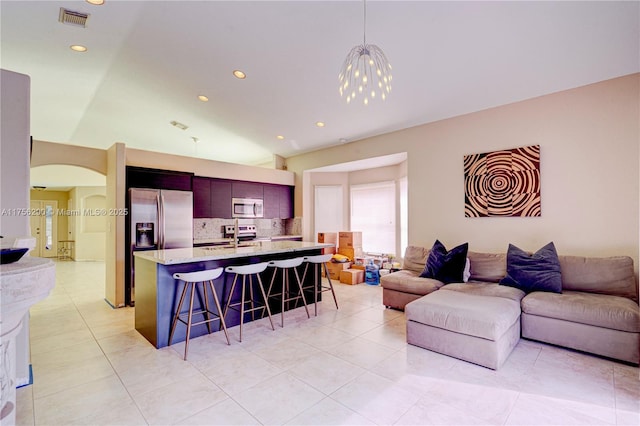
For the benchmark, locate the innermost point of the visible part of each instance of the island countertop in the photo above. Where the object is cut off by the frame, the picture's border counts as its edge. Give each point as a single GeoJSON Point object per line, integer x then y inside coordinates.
{"type": "Point", "coordinates": [198, 254]}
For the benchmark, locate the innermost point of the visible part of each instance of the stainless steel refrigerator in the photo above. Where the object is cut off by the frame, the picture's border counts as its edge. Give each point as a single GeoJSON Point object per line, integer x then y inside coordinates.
{"type": "Point", "coordinates": [159, 219]}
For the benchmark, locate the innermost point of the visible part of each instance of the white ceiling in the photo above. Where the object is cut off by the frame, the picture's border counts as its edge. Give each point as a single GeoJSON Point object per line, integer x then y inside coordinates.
{"type": "Point", "coordinates": [148, 60]}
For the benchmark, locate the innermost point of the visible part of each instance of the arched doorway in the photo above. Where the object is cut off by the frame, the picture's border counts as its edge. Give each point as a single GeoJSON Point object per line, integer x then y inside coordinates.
{"type": "Point", "coordinates": [70, 199]}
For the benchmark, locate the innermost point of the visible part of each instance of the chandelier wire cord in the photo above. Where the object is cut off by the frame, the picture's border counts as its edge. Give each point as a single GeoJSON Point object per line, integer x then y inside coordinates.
{"type": "Point", "coordinates": [364, 24]}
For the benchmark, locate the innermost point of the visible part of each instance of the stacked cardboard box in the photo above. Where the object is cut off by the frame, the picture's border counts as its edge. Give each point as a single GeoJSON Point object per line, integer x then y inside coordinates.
{"type": "Point", "coordinates": [352, 276]}
{"type": "Point", "coordinates": [335, 268]}
{"type": "Point", "coordinates": [330, 238]}
{"type": "Point", "coordinates": [350, 244]}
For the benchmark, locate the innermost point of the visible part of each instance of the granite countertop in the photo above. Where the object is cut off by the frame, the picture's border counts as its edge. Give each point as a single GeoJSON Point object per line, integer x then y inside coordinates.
{"type": "Point", "coordinates": [213, 241]}
{"type": "Point", "coordinates": [198, 254]}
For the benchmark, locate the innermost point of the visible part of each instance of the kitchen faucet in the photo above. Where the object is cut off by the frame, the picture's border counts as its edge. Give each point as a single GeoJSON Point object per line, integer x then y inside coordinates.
{"type": "Point", "coordinates": [235, 233]}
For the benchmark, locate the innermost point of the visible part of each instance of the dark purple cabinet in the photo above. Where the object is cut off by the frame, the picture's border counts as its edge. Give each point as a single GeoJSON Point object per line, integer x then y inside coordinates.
{"type": "Point", "coordinates": [278, 201]}
{"type": "Point", "coordinates": [286, 201]}
{"type": "Point", "coordinates": [240, 189]}
{"type": "Point", "coordinates": [221, 198]}
{"type": "Point", "coordinates": [139, 177]}
{"type": "Point", "coordinates": [201, 197]}
{"type": "Point", "coordinates": [212, 197]}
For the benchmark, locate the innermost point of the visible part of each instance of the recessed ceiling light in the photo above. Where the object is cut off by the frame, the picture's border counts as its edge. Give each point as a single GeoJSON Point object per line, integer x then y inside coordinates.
{"type": "Point", "coordinates": [320, 123]}
{"type": "Point", "coordinates": [78, 48]}
{"type": "Point", "coordinates": [203, 98]}
{"type": "Point", "coordinates": [342, 140]}
{"type": "Point", "coordinates": [239, 74]}
{"type": "Point", "coordinates": [280, 137]}
{"type": "Point", "coordinates": [96, 2]}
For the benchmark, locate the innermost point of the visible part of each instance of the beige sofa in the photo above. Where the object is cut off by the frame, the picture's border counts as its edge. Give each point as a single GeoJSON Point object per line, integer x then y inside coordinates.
{"type": "Point", "coordinates": [481, 321]}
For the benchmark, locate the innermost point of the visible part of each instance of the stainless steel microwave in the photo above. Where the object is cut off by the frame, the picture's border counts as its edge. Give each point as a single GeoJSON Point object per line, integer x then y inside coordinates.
{"type": "Point", "coordinates": [247, 207]}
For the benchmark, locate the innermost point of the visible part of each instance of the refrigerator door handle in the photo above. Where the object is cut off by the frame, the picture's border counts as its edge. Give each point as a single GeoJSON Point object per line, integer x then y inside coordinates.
{"type": "Point", "coordinates": [161, 230]}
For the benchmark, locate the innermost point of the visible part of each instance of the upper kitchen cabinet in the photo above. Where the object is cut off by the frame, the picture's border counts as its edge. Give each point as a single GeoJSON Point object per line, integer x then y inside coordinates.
{"type": "Point", "coordinates": [286, 201]}
{"type": "Point", "coordinates": [221, 198]}
{"type": "Point", "coordinates": [140, 177]}
{"type": "Point", "coordinates": [201, 197]}
{"type": "Point", "coordinates": [240, 189]}
{"type": "Point", "coordinates": [212, 197]}
{"type": "Point", "coordinates": [278, 201]}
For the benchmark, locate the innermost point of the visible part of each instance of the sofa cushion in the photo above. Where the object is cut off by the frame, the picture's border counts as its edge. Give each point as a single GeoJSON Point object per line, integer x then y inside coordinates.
{"type": "Point", "coordinates": [409, 282]}
{"type": "Point", "coordinates": [604, 275]}
{"type": "Point", "coordinates": [487, 267]}
{"type": "Point", "coordinates": [539, 271]}
{"type": "Point", "coordinates": [487, 289]}
{"type": "Point", "coordinates": [614, 312]}
{"type": "Point", "coordinates": [415, 258]}
{"type": "Point", "coordinates": [446, 266]}
{"type": "Point", "coordinates": [479, 316]}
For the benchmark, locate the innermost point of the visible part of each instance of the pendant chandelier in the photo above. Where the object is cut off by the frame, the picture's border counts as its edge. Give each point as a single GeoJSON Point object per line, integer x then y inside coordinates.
{"type": "Point", "coordinates": [366, 71]}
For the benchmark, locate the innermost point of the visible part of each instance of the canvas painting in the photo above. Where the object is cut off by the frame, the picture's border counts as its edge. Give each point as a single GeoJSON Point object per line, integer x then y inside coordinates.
{"type": "Point", "coordinates": [503, 183]}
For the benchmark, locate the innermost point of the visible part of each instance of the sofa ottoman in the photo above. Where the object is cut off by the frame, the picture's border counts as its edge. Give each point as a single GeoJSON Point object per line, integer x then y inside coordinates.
{"type": "Point", "coordinates": [478, 323]}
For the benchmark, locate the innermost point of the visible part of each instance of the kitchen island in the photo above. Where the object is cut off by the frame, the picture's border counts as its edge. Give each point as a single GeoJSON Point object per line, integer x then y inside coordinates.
{"type": "Point", "coordinates": [157, 293]}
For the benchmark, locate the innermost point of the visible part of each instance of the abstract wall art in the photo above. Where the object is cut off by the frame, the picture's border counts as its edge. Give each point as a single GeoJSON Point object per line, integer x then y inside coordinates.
{"type": "Point", "coordinates": [503, 183]}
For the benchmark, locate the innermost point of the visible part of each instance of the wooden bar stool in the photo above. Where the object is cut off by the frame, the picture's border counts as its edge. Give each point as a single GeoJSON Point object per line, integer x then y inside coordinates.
{"type": "Point", "coordinates": [319, 260]}
{"type": "Point", "coordinates": [248, 270]}
{"type": "Point", "coordinates": [191, 279]}
{"type": "Point", "coordinates": [286, 296]}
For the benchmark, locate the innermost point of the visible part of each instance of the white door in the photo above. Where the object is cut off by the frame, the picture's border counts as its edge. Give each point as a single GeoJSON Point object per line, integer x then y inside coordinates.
{"type": "Point", "coordinates": [328, 209]}
{"type": "Point", "coordinates": [44, 227]}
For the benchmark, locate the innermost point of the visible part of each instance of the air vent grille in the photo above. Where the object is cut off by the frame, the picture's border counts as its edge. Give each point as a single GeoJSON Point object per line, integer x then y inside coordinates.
{"type": "Point", "coordinates": [70, 17]}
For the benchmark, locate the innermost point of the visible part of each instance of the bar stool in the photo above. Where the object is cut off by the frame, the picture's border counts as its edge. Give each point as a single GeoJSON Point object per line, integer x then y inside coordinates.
{"type": "Point", "coordinates": [248, 270]}
{"type": "Point", "coordinates": [191, 279]}
{"type": "Point", "coordinates": [319, 260]}
{"type": "Point", "coordinates": [286, 296]}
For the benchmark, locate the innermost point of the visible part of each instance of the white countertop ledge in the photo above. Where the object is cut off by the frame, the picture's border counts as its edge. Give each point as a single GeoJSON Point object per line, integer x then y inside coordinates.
{"type": "Point", "coordinates": [199, 254]}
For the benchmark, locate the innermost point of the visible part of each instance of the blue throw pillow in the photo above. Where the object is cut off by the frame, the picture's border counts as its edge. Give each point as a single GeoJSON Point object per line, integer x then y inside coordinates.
{"type": "Point", "coordinates": [533, 272]}
{"type": "Point", "coordinates": [446, 266]}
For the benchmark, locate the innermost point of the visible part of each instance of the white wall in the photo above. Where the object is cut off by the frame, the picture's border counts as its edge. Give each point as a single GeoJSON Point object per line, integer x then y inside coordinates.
{"type": "Point", "coordinates": [589, 171]}
{"type": "Point", "coordinates": [14, 184]}
{"type": "Point", "coordinates": [14, 152]}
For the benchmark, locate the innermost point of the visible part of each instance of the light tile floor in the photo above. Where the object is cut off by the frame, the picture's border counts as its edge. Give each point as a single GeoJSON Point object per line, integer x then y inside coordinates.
{"type": "Point", "coordinates": [350, 366]}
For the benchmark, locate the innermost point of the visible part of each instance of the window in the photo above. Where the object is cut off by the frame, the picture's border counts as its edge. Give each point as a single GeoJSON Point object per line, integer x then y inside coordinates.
{"type": "Point", "coordinates": [404, 217]}
{"type": "Point", "coordinates": [373, 211]}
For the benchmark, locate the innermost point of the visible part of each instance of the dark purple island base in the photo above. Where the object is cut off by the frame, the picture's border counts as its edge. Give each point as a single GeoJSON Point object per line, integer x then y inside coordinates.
{"type": "Point", "coordinates": [157, 293]}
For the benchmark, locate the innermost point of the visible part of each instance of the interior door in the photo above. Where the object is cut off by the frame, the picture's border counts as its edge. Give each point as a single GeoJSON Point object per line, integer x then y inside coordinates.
{"type": "Point", "coordinates": [44, 227]}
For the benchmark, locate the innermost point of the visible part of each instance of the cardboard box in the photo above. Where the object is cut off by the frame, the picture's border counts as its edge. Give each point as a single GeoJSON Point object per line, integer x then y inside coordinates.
{"type": "Point", "coordinates": [328, 250]}
{"type": "Point", "coordinates": [360, 266]}
{"type": "Point", "coordinates": [350, 239]}
{"type": "Point", "coordinates": [350, 252]}
{"type": "Point", "coordinates": [352, 276]}
{"type": "Point", "coordinates": [328, 237]}
{"type": "Point", "coordinates": [336, 268]}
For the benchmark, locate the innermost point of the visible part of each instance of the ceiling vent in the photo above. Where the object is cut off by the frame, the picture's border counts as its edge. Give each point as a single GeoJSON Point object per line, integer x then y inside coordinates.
{"type": "Point", "coordinates": [77, 19]}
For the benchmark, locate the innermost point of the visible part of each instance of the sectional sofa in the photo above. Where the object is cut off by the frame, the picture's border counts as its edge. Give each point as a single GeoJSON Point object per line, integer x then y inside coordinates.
{"type": "Point", "coordinates": [481, 320]}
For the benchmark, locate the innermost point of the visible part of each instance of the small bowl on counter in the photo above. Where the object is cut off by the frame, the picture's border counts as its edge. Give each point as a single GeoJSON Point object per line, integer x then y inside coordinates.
{"type": "Point", "coordinates": [11, 255]}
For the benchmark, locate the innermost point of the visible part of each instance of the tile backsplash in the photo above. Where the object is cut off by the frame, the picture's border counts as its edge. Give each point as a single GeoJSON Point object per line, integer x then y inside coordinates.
{"type": "Point", "coordinates": [206, 229]}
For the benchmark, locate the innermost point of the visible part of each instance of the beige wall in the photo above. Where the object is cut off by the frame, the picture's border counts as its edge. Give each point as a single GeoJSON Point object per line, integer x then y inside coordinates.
{"type": "Point", "coordinates": [46, 153]}
{"type": "Point", "coordinates": [115, 255]}
{"type": "Point", "coordinates": [589, 170]}
{"type": "Point", "coordinates": [62, 197]}
{"type": "Point", "coordinates": [89, 229]}
{"type": "Point", "coordinates": [208, 168]}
